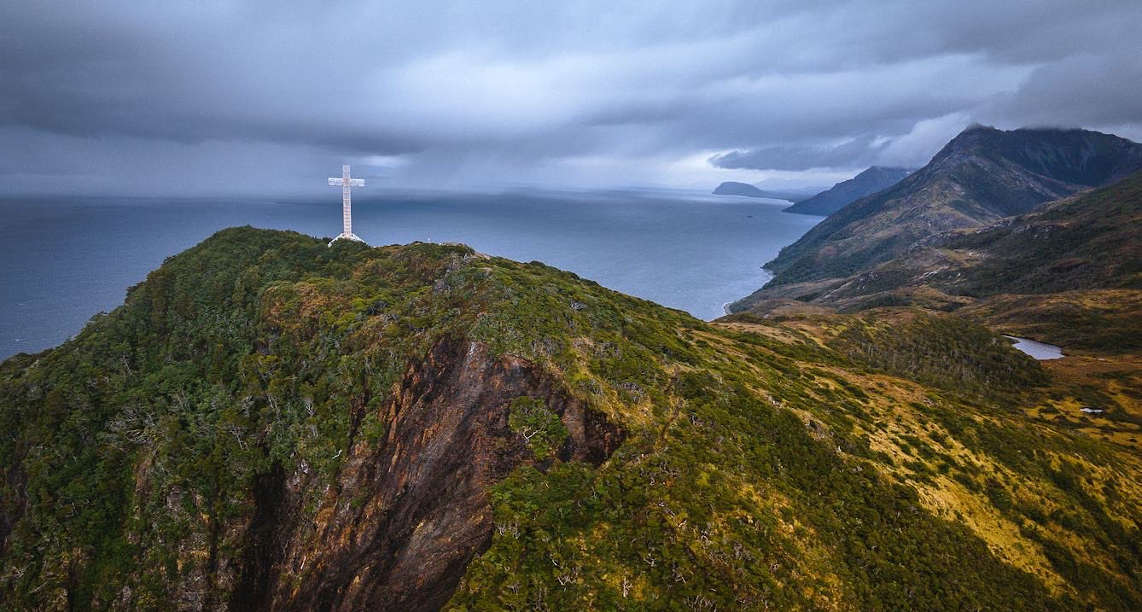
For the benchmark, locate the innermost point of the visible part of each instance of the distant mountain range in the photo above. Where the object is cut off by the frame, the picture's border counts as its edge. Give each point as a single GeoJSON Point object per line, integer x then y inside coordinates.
{"type": "Point", "coordinates": [745, 189]}
{"type": "Point", "coordinates": [980, 177]}
{"type": "Point", "coordinates": [872, 180]}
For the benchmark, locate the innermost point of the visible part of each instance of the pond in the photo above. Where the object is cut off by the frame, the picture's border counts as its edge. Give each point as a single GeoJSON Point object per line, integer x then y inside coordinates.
{"type": "Point", "coordinates": [1038, 350]}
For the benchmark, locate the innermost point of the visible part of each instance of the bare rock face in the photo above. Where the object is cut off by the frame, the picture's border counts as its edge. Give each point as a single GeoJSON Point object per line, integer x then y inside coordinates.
{"type": "Point", "coordinates": [407, 514]}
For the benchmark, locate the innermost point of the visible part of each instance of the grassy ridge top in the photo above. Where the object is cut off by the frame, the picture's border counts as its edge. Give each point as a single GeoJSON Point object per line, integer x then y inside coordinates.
{"type": "Point", "coordinates": [761, 466]}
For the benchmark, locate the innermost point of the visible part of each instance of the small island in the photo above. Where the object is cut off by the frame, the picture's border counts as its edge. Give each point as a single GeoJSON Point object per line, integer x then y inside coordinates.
{"type": "Point", "coordinates": [740, 189]}
{"type": "Point", "coordinates": [734, 188]}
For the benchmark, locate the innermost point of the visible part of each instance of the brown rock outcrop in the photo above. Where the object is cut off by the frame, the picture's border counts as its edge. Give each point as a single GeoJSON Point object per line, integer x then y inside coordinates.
{"type": "Point", "coordinates": [407, 515]}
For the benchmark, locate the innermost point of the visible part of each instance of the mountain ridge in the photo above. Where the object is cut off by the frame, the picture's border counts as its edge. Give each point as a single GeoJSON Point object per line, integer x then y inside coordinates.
{"type": "Point", "coordinates": [867, 182]}
{"type": "Point", "coordinates": [980, 176]}
{"type": "Point", "coordinates": [1080, 255]}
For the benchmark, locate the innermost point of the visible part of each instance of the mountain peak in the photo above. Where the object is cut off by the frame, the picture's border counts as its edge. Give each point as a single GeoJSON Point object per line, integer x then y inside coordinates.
{"type": "Point", "coordinates": [982, 175]}
{"type": "Point", "coordinates": [1080, 157]}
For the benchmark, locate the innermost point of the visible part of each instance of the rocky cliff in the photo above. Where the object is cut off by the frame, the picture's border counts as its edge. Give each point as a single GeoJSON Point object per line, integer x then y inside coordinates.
{"type": "Point", "coordinates": [425, 509]}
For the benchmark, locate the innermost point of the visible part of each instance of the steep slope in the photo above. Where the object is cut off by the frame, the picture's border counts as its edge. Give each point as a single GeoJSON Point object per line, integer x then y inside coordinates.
{"type": "Point", "coordinates": [979, 177]}
{"type": "Point", "coordinates": [868, 182]}
{"type": "Point", "coordinates": [1087, 242]}
{"type": "Point", "coordinates": [269, 423]}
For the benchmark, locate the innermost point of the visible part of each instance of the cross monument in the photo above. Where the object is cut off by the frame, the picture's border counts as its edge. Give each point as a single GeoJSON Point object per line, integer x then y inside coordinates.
{"type": "Point", "coordinates": [346, 183]}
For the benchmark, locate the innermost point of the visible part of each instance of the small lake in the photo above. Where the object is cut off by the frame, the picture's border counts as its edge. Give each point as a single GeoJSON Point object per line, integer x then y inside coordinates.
{"type": "Point", "coordinates": [64, 259]}
{"type": "Point", "coordinates": [1038, 350]}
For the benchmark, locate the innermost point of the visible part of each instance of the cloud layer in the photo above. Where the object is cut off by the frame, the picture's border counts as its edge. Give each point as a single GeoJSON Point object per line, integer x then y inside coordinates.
{"type": "Point", "coordinates": [255, 97]}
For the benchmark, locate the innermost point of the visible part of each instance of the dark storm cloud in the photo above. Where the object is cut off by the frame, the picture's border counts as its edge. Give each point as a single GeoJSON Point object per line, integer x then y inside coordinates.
{"type": "Point", "coordinates": [205, 94]}
{"type": "Point", "coordinates": [857, 152]}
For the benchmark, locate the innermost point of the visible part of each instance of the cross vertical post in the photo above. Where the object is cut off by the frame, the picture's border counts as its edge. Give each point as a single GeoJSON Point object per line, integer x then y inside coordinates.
{"type": "Point", "coordinates": [346, 182]}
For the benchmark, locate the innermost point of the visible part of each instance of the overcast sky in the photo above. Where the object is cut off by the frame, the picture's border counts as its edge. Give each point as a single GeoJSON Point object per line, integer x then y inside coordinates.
{"type": "Point", "coordinates": [205, 97]}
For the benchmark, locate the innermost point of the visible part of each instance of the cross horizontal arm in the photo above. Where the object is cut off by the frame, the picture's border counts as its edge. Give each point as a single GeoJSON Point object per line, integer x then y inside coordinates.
{"type": "Point", "coordinates": [357, 182]}
{"type": "Point", "coordinates": [334, 181]}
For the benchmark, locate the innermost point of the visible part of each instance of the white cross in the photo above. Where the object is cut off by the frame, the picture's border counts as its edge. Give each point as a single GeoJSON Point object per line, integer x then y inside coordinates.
{"type": "Point", "coordinates": [346, 183]}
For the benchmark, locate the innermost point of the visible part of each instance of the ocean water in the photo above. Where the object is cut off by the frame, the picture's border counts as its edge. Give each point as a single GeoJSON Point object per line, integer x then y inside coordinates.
{"type": "Point", "coordinates": [62, 260]}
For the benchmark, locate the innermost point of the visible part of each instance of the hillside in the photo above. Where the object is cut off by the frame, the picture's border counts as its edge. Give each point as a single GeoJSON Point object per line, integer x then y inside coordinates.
{"type": "Point", "coordinates": [981, 176]}
{"type": "Point", "coordinates": [868, 182]}
{"type": "Point", "coordinates": [1076, 265]}
{"type": "Point", "coordinates": [271, 423]}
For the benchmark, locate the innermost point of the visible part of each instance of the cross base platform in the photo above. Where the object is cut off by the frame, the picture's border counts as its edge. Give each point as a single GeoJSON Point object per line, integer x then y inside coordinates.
{"type": "Point", "coordinates": [346, 236]}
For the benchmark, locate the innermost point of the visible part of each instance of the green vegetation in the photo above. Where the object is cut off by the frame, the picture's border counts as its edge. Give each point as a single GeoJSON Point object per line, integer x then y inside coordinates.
{"type": "Point", "coordinates": [940, 351]}
{"type": "Point", "coordinates": [1088, 242]}
{"type": "Point", "coordinates": [760, 468]}
{"type": "Point", "coordinates": [541, 428]}
{"type": "Point", "coordinates": [1069, 273]}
